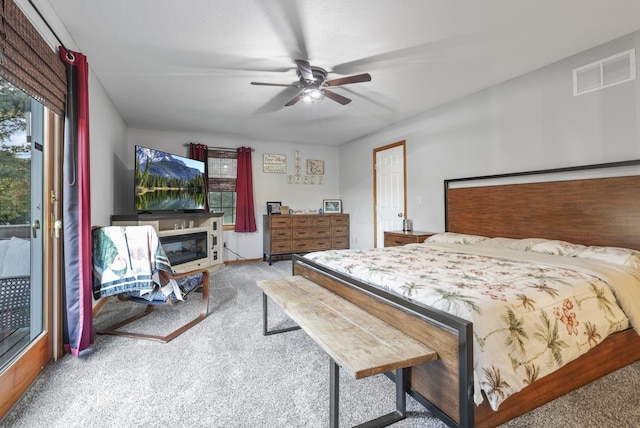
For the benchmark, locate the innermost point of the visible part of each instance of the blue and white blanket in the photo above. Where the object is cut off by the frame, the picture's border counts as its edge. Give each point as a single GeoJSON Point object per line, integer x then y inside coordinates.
{"type": "Point", "coordinates": [128, 259]}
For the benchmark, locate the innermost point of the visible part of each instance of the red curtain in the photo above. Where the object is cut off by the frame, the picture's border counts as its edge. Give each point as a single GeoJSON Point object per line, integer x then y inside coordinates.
{"type": "Point", "coordinates": [76, 207]}
{"type": "Point", "coordinates": [245, 217]}
{"type": "Point", "coordinates": [200, 152]}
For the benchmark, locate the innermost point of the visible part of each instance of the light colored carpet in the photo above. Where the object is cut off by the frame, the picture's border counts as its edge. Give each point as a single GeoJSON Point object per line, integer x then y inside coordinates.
{"type": "Point", "coordinates": [225, 373]}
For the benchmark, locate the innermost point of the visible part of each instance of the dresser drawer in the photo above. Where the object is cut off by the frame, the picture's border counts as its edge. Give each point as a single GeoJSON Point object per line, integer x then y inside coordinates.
{"type": "Point", "coordinates": [301, 234]}
{"type": "Point", "coordinates": [339, 220]}
{"type": "Point", "coordinates": [311, 245]}
{"type": "Point", "coordinates": [340, 242]}
{"type": "Point", "coordinates": [280, 234]}
{"type": "Point", "coordinates": [340, 230]}
{"type": "Point", "coordinates": [394, 239]}
{"type": "Point", "coordinates": [280, 247]}
{"type": "Point", "coordinates": [280, 222]}
{"type": "Point", "coordinates": [311, 221]}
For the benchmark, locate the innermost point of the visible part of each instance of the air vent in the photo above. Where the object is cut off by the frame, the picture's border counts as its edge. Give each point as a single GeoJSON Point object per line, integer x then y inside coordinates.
{"type": "Point", "coordinates": [607, 72]}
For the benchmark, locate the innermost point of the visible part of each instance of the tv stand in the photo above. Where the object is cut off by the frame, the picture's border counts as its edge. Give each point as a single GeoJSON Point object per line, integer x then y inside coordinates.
{"type": "Point", "coordinates": [188, 227]}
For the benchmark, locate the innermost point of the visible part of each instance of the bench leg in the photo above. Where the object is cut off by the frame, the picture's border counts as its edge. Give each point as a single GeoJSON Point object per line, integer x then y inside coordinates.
{"type": "Point", "coordinates": [265, 316]}
{"type": "Point", "coordinates": [334, 394]}
{"type": "Point", "coordinates": [382, 421]}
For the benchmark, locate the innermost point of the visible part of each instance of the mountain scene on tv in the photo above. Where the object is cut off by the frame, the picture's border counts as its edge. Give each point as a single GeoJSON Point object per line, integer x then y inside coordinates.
{"type": "Point", "coordinates": [167, 182]}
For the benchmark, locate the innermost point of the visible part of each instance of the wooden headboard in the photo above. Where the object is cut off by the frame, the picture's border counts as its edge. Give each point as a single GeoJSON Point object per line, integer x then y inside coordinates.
{"type": "Point", "coordinates": [601, 211]}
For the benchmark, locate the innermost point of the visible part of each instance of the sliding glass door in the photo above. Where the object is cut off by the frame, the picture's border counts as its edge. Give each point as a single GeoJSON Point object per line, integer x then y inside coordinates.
{"type": "Point", "coordinates": [25, 346]}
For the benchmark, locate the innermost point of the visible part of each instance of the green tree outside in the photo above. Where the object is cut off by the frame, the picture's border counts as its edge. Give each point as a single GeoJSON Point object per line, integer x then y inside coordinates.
{"type": "Point", "coordinates": [15, 164]}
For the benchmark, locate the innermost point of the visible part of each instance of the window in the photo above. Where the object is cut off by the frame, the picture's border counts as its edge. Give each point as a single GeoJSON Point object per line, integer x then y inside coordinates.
{"type": "Point", "coordinates": [222, 170]}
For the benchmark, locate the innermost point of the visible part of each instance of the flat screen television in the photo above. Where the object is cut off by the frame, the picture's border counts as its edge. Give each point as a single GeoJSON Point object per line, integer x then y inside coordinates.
{"type": "Point", "coordinates": [168, 182]}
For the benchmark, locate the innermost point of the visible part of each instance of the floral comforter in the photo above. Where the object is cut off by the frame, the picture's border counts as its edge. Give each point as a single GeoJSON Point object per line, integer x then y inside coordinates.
{"type": "Point", "coordinates": [531, 312]}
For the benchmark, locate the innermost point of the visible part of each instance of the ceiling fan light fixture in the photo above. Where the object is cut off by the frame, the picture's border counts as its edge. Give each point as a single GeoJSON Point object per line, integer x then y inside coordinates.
{"type": "Point", "coordinates": [312, 95]}
{"type": "Point", "coordinates": [313, 84]}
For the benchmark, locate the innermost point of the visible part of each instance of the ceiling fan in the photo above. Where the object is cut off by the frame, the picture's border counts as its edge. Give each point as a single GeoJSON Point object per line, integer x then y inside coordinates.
{"type": "Point", "coordinates": [313, 84]}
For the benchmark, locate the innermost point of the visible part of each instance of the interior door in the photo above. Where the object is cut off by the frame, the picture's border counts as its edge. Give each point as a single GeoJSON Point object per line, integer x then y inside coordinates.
{"type": "Point", "coordinates": [25, 344]}
{"type": "Point", "coordinates": [390, 189]}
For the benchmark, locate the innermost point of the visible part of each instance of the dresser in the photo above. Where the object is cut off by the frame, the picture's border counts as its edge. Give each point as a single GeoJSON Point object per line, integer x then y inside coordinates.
{"type": "Point", "coordinates": [395, 238]}
{"type": "Point", "coordinates": [284, 235]}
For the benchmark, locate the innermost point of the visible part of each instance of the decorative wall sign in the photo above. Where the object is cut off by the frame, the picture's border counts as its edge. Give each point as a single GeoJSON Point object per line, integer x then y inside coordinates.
{"type": "Point", "coordinates": [274, 164]}
{"type": "Point", "coordinates": [315, 171]}
{"type": "Point", "coordinates": [315, 167]}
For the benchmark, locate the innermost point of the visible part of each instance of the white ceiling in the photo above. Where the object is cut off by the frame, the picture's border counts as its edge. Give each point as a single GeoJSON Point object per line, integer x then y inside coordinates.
{"type": "Point", "coordinates": [187, 65]}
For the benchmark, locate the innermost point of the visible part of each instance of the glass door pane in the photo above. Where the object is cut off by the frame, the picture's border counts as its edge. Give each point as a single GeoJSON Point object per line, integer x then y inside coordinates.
{"type": "Point", "coordinates": [21, 172]}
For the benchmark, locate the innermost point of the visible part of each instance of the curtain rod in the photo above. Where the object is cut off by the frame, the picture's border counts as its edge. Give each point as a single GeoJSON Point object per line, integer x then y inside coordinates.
{"type": "Point", "coordinates": [228, 149]}
{"type": "Point", "coordinates": [47, 24]}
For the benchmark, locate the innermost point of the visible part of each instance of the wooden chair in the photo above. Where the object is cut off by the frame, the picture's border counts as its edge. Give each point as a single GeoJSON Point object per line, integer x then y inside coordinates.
{"type": "Point", "coordinates": [142, 273]}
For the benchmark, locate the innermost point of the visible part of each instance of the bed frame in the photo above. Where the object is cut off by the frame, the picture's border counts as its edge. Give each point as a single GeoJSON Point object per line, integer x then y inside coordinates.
{"type": "Point", "coordinates": [603, 211]}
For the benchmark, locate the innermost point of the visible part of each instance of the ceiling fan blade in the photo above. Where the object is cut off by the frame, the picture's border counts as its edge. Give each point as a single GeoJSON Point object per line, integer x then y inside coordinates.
{"type": "Point", "coordinates": [435, 50]}
{"type": "Point", "coordinates": [275, 103]}
{"type": "Point", "coordinates": [366, 77]}
{"type": "Point", "coordinates": [335, 97]}
{"type": "Point", "coordinates": [294, 99]}
{"type": "Point", "coordinates": [274, 84]}
{"type": "Point", "coordinates": [287, 20]}
{"type": "Point", "coordinates": [305, 70]}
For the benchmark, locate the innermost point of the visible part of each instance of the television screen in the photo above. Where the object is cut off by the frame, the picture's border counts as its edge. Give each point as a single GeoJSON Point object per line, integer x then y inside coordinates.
{"type": "Point", "coordinates": [168, 182]}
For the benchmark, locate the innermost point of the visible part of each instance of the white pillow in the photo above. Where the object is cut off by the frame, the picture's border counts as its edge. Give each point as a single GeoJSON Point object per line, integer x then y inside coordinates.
{"type": "Point", "coordinates": [512, 243]}
{"type": "Point", "coordinates": [455, 238]}
{"type": "Point", "coordinates": [620, 256]}
{"type": "Point", "coordinates": [557, 248]}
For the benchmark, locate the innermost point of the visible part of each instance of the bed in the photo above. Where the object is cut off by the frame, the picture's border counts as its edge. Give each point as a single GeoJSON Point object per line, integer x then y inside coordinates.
{"type": "Point", "coordinates": [599, 211]}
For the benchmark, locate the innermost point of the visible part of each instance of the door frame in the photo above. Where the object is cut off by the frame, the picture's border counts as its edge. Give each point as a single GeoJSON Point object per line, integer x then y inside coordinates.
{"type": "Point", "coordinates": [402, 143]}
{"type": "Point", "coordinates": [32, 360]}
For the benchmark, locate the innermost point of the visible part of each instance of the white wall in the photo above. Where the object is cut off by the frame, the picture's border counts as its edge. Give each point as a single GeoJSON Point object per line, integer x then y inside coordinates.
{"type": "Point", "coordinates": [267, 187]}
{"type": "Point", "coordinates": [528, 123]}
{"type": "Point", "coordinates": [108, 137]}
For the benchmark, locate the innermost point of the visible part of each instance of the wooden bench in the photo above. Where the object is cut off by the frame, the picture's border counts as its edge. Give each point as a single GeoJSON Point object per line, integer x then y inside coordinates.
{"type": "Point", "coordinates": [360, 343]}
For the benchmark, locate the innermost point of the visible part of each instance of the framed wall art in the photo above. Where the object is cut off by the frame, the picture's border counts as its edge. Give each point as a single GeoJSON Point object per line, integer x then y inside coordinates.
{"type": "Point", "coordinates": [315, 167]}
{"type": "Point", "coordinates": [331, 206]}
{"type": "Point", "coordinates": [273, 208]}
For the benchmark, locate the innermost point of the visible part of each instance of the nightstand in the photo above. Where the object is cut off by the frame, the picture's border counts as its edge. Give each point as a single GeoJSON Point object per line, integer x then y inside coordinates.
{"type": "Point", "coordinates": [395, 238]}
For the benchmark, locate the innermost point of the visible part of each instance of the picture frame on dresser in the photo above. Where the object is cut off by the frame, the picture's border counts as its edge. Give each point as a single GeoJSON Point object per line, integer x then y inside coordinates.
{"type": "Point", "coordinates": [332, 206]}
{"type": "Point", "coordinates": [273, 208]}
